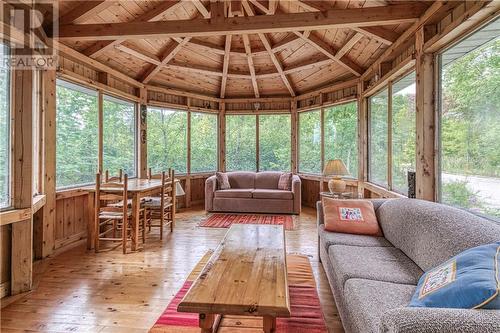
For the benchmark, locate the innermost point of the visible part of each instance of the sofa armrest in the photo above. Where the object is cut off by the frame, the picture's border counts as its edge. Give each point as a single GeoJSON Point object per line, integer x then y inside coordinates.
{"type": "Point", "coordinates": [423, 320]}
{"type": "Point", "coordinates": [297, 194]}
{"type": "Point", "coordinates": [210, 188]}
{"type": "Point", "coordinates": [319, 213]}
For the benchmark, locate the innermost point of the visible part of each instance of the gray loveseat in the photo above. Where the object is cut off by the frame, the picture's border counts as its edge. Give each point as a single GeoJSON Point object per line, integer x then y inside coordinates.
{"type": "Point", "coordinates": [374, 278]}
{"type": "Point", "coordinates": [253, 192]}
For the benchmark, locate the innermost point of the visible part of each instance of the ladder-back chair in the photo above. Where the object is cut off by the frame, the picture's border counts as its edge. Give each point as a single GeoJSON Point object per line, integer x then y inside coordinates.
{"type": "Point", "coordinates": [160, 208]}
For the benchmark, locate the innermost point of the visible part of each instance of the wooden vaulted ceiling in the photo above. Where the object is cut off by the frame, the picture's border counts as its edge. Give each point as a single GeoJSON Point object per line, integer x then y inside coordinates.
{"type": "Point", "coordinates": [273, 59]}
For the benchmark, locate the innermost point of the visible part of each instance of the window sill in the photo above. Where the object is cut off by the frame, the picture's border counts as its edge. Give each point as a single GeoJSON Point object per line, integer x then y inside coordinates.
{"type": "Point", "coordinates": [382, 191]}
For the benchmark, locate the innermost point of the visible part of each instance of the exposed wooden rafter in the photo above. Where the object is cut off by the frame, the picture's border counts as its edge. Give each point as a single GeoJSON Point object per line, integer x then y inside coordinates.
{"type": "Point", "coordinates": [170, 53]}
{"type": "Point", "coordinates": [324, 48]}
{"type": "Point", "coordinates": [156, 13]}
{"type": "Point", "coordinates": [277, 63]}
{"type": "Point", "coordinates": [225, 66]}
{"type": "Point", "coordinates": [251, 66]}
{"type": "Point", "coordinates": [200, 7]}
{"type": "Point", "coordinates": [335, 18]}
{"type": "Point", "coordinates": [381, 34]}
{"type": "Point", "coordinates": [84, 10]}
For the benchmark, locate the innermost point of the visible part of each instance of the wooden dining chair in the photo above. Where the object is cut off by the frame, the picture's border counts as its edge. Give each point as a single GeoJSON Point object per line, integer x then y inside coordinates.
{"type": "Point", "coordinates": [111, 218]}
{"type": "Point", "coordinates": [109, 179]}
{"type": "Point", "coordinates": [159, 209]}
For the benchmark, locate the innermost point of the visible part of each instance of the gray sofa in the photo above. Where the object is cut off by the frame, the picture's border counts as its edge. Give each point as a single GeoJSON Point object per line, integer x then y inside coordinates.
{"type": "Point", "coordinates": [374, 278]}
{"type": "Point", "coordinates": [253, 192]}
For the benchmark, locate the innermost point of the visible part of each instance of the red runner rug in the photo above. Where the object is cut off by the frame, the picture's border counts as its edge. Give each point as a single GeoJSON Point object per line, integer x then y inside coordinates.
{"type": "Point", "coordinates": [226, 220]}
{"type": "Point", "coordinates": [306, 314]}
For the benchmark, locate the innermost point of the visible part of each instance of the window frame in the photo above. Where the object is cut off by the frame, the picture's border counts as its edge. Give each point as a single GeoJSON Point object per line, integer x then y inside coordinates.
{"type": "Point", "coordinates": [10, 187]}
{"type": "Point", "coordinates": [85, 89]}
{"type": "Point", "coordinates": [103, 95]}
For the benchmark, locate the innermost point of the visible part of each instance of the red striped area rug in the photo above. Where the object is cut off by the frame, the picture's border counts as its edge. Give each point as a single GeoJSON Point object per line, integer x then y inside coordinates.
{"type": "Point", "coordinates": [306, 315]}
{"type": "Point", "coordinates": [226, 220]}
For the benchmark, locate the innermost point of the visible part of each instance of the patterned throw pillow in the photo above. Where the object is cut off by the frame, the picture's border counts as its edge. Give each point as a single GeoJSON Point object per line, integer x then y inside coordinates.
{"type": "Point", "coordinates": [350, 216]}
{"type": "Point", "coordinates": [285, 181]}
{"type": "Point", "coordinates": [222, 181]}
{"type": "Point", "coordinates": [470, 280]}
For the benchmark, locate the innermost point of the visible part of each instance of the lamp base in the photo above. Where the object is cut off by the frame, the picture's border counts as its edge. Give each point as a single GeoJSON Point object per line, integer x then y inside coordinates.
{"type": "Point", "coordinates": [336, 185]}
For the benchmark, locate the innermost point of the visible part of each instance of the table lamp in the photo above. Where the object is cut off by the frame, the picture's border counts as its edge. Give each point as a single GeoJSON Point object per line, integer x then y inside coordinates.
{"type": "Point", "coordinates": [337, 169]}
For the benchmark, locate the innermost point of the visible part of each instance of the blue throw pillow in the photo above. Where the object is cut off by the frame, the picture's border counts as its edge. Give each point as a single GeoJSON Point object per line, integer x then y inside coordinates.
{"type": "Point", "coordinates": [470, 280]}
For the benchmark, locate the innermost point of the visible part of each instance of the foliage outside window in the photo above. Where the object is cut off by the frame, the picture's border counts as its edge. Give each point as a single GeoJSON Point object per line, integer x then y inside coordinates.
{"type": "Point", "coordinates": [4, 132]}
{"type": "Point", "coordinates": [274, 143]}
{"type": "Point", "coordinates": [310, 142]}
{"type": "Point", "coordinates": [76, 134]}
{"type": "Point", "coordinates": [470, 124]}
{"type": "Point", "coordinates": [403, 131]}
{"type": "Point", "coordinates": [119, 125]}
{"type": "Point", "coordinates": [341, 138]}
{"type": "Point", "coordinates": [241, 143]}
{"type": "Point", "coordinates": [167, 140]}
{"type": "Point", "coordinates": [203, 142]}
{"type": "Point", "coordinates": [378, 137]}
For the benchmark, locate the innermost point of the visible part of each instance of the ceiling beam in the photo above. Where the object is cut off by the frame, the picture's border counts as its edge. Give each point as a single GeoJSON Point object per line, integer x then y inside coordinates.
{"type": "Point", "coordinates": [335, 18]}
{"type": "Point", "coordinates": [251, 66]}
{"type": "Point", "coordinates": [348, 45]}
{"type": "Point", "coordinates": [314, 5]}
{"type": "Point", "coordinates": [200, 7]}
{"type": "Point", "coordinates": [277, 64]}
{"type": "Point", "coordinates": [156, 13]}
{"type": "Point", "coordinates": [324, 48]}
{"type": "Point", "coordinates": [170, 53]}
{"type": "Point", "coordinates": [381, 34]}
{"type": "Point", "coordinates": [225, 66]}
{"type": "Point", "coordinates": [84, 10]}
{"type": "Point", "coordinates": [259, 6]}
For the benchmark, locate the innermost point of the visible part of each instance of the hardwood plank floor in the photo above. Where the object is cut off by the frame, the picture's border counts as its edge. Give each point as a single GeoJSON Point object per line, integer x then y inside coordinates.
{"type": "Point", "coordinates": [108, 292]}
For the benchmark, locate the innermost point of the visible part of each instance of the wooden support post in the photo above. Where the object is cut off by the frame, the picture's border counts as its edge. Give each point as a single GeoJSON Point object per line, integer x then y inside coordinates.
{"type": "Point", "coordinates": [322, 147]}
{"type": "Point", "coordinates": [294, 128]}
{"type": "Point", "coordinates": [362, 138]}
{"type": "Point", "coordinates": [426, 121]}
{"type": "Point", "coordinates": [257, 146]}
{"type": "Point", "coordinates": [142, 133]}
{"type": "Point", "coordinates": [49, 160]}
{"type": "Point", "coordinates": [222, 137]}
{"type": "Point", "coordinates": [389, 136]}
{"type": "Point", "coordinates": [100, 132]}
{"type": "Point", "coordinates": [22, 231]}
{"type": "Point", "coordinates": [188, 177]}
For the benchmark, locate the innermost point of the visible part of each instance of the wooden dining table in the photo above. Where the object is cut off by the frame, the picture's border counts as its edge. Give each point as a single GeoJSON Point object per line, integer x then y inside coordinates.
{"type": "Point", "coordinates": [137, 189]}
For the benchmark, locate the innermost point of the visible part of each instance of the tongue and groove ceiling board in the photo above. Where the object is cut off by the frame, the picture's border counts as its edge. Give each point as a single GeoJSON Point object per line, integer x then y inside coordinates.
{"type": "Point", "coordinates": [283, 63]}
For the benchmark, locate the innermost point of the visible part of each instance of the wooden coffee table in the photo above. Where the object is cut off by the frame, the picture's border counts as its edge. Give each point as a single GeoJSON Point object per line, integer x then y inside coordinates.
{"type": "Point", "coordinates": [246, 276]}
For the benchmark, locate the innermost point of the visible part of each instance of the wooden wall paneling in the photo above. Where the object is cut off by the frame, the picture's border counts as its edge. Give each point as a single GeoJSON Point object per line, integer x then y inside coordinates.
{"type": "Point", "coordinates": [49, 160]}
{"type": "Point", "coordinates": [310, 192]}
{"type": "Point", "coordinates": [22, 165]}
{"type": "Point", "coordinates": [142, 133]}
{"type": "Point", "coordinates": [5, 254]}
{"type": "Point", "coordinates": [221, 133]}
{"type": "Point", "coordinates": [425, 121]}
{"type": "Point", "coordinates": [294, 135]}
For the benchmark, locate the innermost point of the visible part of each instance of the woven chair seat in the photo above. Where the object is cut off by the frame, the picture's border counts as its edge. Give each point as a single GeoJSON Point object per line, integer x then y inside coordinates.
{"type": "Point", "coordinates": [155, 202]}
{"type": "Point", "coordinates": [114, 215]}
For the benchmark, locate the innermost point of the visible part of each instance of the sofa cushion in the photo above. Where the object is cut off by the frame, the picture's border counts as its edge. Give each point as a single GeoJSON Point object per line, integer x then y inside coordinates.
{"type": "Point", "coordinates": [285, 181]}
{"type": "Point", "coordinates": [336, 238]}
{"type": "Point", "coordinates": [234, 193]}
{"type": "Point", "coordinates": [431, 233]}
{"type": "Point", "coordinates": [367, 300]}
{"type": "Point", "coordinates": [222, 181]}
{"type": "Point", "coordinates": [267, 179]}
{"type": "Point", "coordinates": [272, 194]}
{"type": "Point", "coordinates": [374, 263]}
{"type": "Point", "coordinates": [241, 179]}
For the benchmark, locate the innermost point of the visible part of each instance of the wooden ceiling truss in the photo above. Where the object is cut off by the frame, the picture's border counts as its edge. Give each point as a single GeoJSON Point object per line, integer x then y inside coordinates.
{"type": "Point", "coordinates": [279, 48]}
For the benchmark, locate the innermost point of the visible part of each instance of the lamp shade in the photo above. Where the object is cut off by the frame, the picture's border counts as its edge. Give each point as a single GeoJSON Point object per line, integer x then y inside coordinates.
{"type": "Point", "coordinates": [179, 191]}
{"type": "Point", "coordinates": [335, 168]}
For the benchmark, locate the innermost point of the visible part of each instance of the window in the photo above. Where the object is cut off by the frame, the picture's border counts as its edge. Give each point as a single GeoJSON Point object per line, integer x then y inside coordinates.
{"type": "Point", "coordinates": [274, 143]}
{"type": "Point", "coordinates": [341, 138]}
{"type": "Point", "coordinates": [4, 131]}
{"type": "Point", "coordinates": [403, 131]}
{"type": "Point", "coordinates": [378, 137]}
{"type": "Point", "coordinates": [76, 134]}
{"type": "Point", "coordinates": [203, 142]}
{"type": "Point", "coordinates": [470, 123]}
{"type": "Point", "coordinates": [241, 148]}
{"type": "Point", "coordinates": [310, 142]}
{"type": "Point", "coordinates": [119, 126]}
{"type": "Point", "coordinates": [167, 140]}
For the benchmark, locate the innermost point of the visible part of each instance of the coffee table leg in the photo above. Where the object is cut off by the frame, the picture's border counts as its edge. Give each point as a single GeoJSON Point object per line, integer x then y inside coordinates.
{"type": "Point", "coordinates": [207, 322]}
{"type": "Point", "coordinates": [269, 324]}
